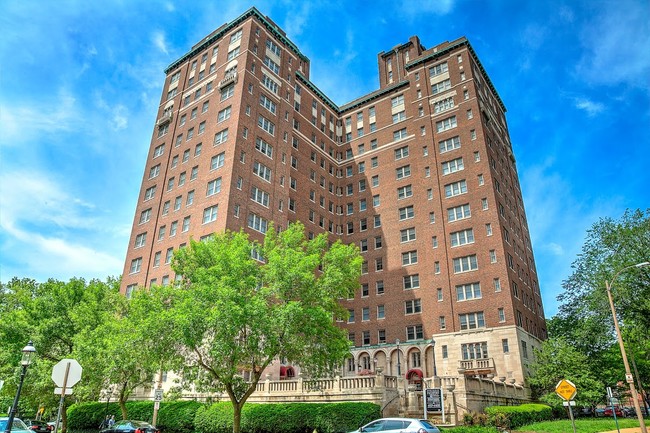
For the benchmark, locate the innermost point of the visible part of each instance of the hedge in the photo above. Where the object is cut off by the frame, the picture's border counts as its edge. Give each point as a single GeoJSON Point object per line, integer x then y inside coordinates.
{"type": "Point", "coordinates": [287, 417]}
{"type": "Point", "coordinates": [517, 416]}
{"type": "Point", "coordinates": [173, 416]}
{"type": "Point", "coordinates": [191, 416]}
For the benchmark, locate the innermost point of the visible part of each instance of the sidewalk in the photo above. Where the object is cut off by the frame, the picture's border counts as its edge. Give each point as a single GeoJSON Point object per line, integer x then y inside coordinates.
{"type": "Point", "coordinates": [628, 430]}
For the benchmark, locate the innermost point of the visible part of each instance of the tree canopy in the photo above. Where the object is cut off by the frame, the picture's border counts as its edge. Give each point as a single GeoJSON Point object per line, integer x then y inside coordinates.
{"type": "Point", "coordinates": [232, 313]}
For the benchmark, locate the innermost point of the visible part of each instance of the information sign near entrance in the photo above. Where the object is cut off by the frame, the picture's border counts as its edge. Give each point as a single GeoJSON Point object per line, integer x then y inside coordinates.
{"type": "Point", "coordinates": [433, 402]}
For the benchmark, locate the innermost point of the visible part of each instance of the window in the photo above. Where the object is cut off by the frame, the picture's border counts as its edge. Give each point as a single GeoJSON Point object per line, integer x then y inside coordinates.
{"type": "Point", "coordinates": [214, 187]}
{"type": "Point", "coordinates": [159, 151]}
{"type": "Point", "coordinates": [465, 292]}
{"type": "Point", "coordinates": [269, 83]}
{"type": "Point", "coordinates": [474, 350]}
{"type": "Point", "coordinates": [398, 117]}
{"type": "Point", "coordinates": [190, 198]}
{"type": "Point", "coordinates": [374, 162]}
{"type": "Point", "coordinates": [350, 316]}
{"type": "Point", "coordinates": [145, 216]}
{"type": "Point", "coordinates": [414, 333]}
{"type": "Point", "coordinates": [458, 213]}
{"type": "Point", "coordinates": [177, 202]}
{"type": "Point", "coordinates": [502, 315]}
{"type": "Point", "coordinates": [365, 314]}
{"type": "Point", "coordinates": [260, 196]}
{"type": "Point", "coordinates": [210, 214]}
{"type": "Point", "coordinates": [413, 306]}
{"type": "Point", "coordinates": [150, 193]}
{"type": "Point", "coordinates": [407, 235]}
{"type": "Point", "coordinates": [438, 69]}
{"type": "Point", "coordinates": [381, 314]}
{"type": "Point", "coordinates": [443, 105]}
{"type": "Point", "coordinates": [136, 265]}
{"type": "Point", "coordinates": [227, 92]}
{"type": "Point", "coordinates": [452, 166]}
{"type": "Point", "coordinates": [377, 221]}
{"type": "Point", "coordinates": [449, 144]}
{"type": "Point", "coordinates": [402, 152]}
{"type": "Point", "coordinates": [441, 86]}
{"type": "Point", "coordinates": [406, 212]}
{"type": "Point", "coordinates": [484, 203]}
{"type": "Point", "coordinates": [235, 36]}
{"type": "Point", "coordinates": [266, 124]}
{"type": "Point", "coordinates": [403, 172]}
{"type": "Point", "coordinates": [273, 47]}
{"type": "Point", "coordinates": [409, 258]}
{"type": "Point", "coordinates": [140, 240]}
{"type": "Point", "coordinates": [233, 53]}
{"type": "Point", "coordinates": [446, 124]}
{"type": "Point", "coordinates": [380, 287]}
{"type": "Point", "coordinates": [497, 284]}
{"type": "Point", "coordinates": [267, 103]}
{"type": "Point", "coordinates": [400, 134]}
{"type": "Point", "coordinates": [456, 188]}
{"type": "Point", "coordinates": [404, 192]}
{"type": "Point", "coordinates": [271, 65]}
{"type": "Point", "coordinates": [493, 256]}
{"type": "Point", "coordinates": [471, 320]}
{"type": "Point", "coordinates": [462, 237]}
{"type": "Point", "coordinates": [397, 100]}
{"type": "Point", "coordinates": [465, 264]}
{"type": "Point", "coordinates": [221, 136]}
{"type": "Point", "coordinates": [442, 322]}
{"type": "Point", "coordinates": [224, 114]}
{"type": "Point", "coordinates": [379, 264]}
{"type": "Point", "coordinates": [524, 349]}
{"type": "Point", "coordinates": [257, 223]}
{"type": "Point", "coordinates": [154, 171]}
{"type": "Point", "coordinates": [411, 281]}
{"type": "Point", "coordinates": [262, 171]}
{"type": "Point", "coordinates": [186, 224]}
{"type": "Point", "coordinates": [505, 346]}
{"type": "Point", "coordinates": [378, 242]}
{"type": "Point", "coordinates": [217, 161]}
{"type": "Point", "coordinates": [374, 181]}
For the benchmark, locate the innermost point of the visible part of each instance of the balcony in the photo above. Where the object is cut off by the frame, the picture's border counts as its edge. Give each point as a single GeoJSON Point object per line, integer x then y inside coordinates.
{"type": "Point", "coordinates": [228, 79]}
{"type": "Point", "coordinates": [165, 118]}
{"type": "Point", "coordinates": [473, 367]}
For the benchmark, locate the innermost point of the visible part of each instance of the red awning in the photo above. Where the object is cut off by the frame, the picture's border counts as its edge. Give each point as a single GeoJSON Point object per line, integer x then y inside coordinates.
{"type": "Point", "coordinates": [414, 372]}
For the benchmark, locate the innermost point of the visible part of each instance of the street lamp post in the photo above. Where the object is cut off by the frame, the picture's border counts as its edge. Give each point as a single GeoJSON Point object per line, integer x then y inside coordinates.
{"type": "Point", "coordinates": [399, 365]}
{"type": "Point", "coordinates": [433, 351]}
{"type": "Point", "coordinates": [28, 355]}
{"type": "Point", "coordinates": [628, 375]}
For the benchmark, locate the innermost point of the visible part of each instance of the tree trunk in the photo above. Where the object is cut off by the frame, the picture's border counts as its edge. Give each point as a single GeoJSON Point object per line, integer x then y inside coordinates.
{"type": "Point", "coordinates": [236, 421]}
{"type": "Point", "coordinates": [122, 403]}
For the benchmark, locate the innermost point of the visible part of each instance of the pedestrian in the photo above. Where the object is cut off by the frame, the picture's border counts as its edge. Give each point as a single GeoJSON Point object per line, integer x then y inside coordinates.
{"type": "Point", "coordinates": [104, 423]}
{"type": "Point", "coordinates": [111, 421]}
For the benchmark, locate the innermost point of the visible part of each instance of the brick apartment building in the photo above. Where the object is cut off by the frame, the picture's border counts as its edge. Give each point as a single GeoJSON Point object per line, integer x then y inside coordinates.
{"type": "Point", "coordinates": [420, 174]}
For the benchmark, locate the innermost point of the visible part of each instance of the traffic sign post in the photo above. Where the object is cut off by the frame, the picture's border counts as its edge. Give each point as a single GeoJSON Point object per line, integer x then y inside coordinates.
{"type": "Point", "coordinates": [65, 374]}
{"type": "Point", "coordinates": [567, 391]}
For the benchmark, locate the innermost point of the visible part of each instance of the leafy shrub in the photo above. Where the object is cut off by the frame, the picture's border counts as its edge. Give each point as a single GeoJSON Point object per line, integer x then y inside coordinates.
{"type": "Point", "coordinates": [287, 417]}
{"type": "Point", "coordinates": [516, 416]}
{"type": "Point", "coordinates": [173, 417]}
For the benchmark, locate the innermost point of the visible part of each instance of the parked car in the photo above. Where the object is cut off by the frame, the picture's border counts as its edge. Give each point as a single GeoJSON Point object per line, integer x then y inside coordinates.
{"type": "Point", "coordinates": [617, 409]}
{"type": "Point", "coordinates": [398, 425]}
{"type": "Point", "coordinates": [38, 426]}
{"type": "Point", "coordinates": [51, 424]}
{"type": "Point", "coordinates": [599, 411]}
{"type": "Point", "coordinates": [131, 426]}
{"type": "Point", "coordinates": [16, 427]}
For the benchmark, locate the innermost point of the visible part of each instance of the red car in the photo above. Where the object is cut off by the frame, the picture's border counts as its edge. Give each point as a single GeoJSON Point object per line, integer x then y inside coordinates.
{"type": "Point", "coordinates": [609, 412]}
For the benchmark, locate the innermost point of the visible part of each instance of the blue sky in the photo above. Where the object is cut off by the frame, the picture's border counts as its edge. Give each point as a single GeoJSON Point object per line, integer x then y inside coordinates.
{"type": "Point", "coordinates": [80, 83]}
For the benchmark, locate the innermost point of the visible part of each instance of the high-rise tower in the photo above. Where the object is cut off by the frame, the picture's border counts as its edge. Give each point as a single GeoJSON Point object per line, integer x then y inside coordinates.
{"type": "Point", "coordinates": [419, 173]}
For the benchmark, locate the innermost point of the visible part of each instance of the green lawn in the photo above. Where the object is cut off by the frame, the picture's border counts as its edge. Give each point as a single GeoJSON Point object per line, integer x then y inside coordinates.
{"type": "Point", "coordinates": [583, 425]}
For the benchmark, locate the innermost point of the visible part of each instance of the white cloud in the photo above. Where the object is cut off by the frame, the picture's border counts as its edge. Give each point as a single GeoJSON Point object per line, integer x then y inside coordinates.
{"type": "Point", "coordinates": [614, 42]}
{"type": "Point", "coordinates": [592, 108]}
{"type": "Point", "coordinates": [158, 39]}
{"type": "Point", "coordinates": [20, 123]}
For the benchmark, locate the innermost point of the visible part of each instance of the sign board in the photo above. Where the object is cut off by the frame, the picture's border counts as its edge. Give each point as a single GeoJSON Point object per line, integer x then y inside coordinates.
{"type": "Point", "coordinates": [433, 399]}
{"type": "Point", "coordinates": [2, 382]}
{"type": "Point", "coordinates": [629, 378]}
{"type": "Point", "coordinates": [58, 391]}
{"type": "Point", "coordinates": [566, 389]}
{"type": "Point", "coordinates": [568, 403]}
{"type": "Point", "coordinates": [158, 394]}
{"type": "Point", "coordinates": [74, 372]}
{"type": "Point", "coordinates": [156, 405]}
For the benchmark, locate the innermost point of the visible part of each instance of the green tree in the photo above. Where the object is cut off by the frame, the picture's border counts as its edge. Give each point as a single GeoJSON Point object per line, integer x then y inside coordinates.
{"type": "Point", "coordinates": [558, 359]}
{"type": "Point", "coordinates": [233, 313]}
{"type": "Point", "coordinates": [585, 317]}
{"type": "Point", "coordinates": [53, 315]}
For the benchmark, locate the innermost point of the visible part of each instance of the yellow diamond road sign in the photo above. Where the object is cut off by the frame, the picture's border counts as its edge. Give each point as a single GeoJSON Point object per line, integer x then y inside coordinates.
{"type": "Point", "coordinates": [566, 389]}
